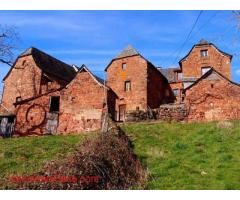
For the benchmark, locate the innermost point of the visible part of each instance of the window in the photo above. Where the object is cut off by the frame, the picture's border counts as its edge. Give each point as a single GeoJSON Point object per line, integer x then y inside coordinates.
{"type": "Point", "coordinates": [127, 86]}
{"type": "Point", "coordinates": [204, 53]}
{"type": "Point", "coordinates": [18, 99]}
{"type": "Point", "coordinates": [124, 66]}
{"type": "Point", "coordinates": [54, 104]}
{"type": "Point", "coordinates": [175, 92]}
{"type": "Point", "coordinates": [205, 70]}
{"type": "Point", "coordinates": [179, 76]}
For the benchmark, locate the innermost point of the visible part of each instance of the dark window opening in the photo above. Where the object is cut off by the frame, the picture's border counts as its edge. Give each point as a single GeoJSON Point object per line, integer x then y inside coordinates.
{"type": "Point", "coordinates": [11, 119]}
{"type": "Point", "coordinates": [54, 104]}
{"type": "Point", "coordinates": [127, 86]}
{"type": "Point", "coordinates": [211, 85]}
{"type": "Point", "coordinates": [137, 108]}
{"type": "Point", "coordinates": [18, 99]}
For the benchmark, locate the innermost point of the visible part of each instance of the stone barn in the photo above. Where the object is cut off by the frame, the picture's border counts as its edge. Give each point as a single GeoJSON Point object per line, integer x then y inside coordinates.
{"type": "Point", "coordinates": [213, 97]}
{"type": "Point", "coordinates": [77, 107]}
{"type": "Point", "coordinates": [34, 73]}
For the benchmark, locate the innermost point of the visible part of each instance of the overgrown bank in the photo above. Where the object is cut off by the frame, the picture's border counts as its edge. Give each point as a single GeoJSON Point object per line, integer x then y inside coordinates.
{"type": "Point", "coordinates": [108, 157]}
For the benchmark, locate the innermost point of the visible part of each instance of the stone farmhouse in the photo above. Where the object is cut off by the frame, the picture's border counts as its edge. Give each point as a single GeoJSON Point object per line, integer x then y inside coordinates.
{"type": "Point", "coordinates": [43, 95]}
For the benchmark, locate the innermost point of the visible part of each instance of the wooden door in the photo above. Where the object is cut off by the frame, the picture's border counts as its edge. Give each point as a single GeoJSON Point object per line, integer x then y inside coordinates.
{"type": "Point", "coordinates": [122, 112]}
{"type": "Point", "coordinates": [52, 123]}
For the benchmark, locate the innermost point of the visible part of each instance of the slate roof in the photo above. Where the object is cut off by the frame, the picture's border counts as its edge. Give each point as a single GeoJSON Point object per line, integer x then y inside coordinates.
{"type": "Point", "coordinates": [168, 73]}
{"type": "Point", "coordinates": [189, 79]}
{"type": "Point", "coordinates": [207, 74]}
{"type": "Point", "coordinates": [128, 51]}
{"type": "Point", "coordinates": [203, 42]}
{"type": "Point", "coordinates": [49, 64]}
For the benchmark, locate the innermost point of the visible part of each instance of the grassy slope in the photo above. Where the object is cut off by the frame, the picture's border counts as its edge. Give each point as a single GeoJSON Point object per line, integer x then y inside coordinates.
{"type": "Point", "coordinates": [188, 156]}
{"type": "Point", "coordinates": [27, 155]}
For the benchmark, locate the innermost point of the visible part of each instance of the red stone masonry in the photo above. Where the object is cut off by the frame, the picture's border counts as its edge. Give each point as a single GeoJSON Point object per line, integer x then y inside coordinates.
{"type": "Point", "coordinates": [149, 88]}
{"type": "Point", "coordinates": [213, 98]}
{"type": "Point", "coordinates": [192, 64]}
{"type": "Point", "coordinates": [82, 104]}
{"type": "Point", "coordinates": [31, 76]}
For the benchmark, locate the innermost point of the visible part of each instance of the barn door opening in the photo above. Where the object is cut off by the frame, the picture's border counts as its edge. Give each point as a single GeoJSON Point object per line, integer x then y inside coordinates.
{"type": "Point", "coordinates": [52, 116]}
{"type": "Point", "coordinates": [122, 112]}
{"type": "Point", "coordinates": [7, 126]}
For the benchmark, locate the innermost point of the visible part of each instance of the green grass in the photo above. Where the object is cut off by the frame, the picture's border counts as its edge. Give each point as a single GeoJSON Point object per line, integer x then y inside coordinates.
{"type": "Point", "coordinates": [27, 155]}
{"type": "Point", "coordinates": [188, 156]}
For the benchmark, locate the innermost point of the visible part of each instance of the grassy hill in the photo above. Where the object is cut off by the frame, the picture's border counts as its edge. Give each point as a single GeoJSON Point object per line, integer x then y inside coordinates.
{"type": "Point", "coordinates": [177, 156]}
{"type": "Point", "coordinates": [27, 155]}
{"type": "Point", "coordinates": [188, 156]}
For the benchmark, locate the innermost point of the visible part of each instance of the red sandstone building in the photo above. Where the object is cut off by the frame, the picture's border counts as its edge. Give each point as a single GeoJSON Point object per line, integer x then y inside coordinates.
{"type": "Point", "coordinates": [43, 95]}
{"type": "Point", "coordinates": [201, 58]}
{"type": "Point", "coordinates": [137, 83]}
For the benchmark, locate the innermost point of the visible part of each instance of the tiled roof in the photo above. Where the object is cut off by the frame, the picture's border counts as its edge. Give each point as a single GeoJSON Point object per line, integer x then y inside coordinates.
{"type": "Point", "coordinates": [128, 51]}
{"type": "Point", "coordinates": [50, 64]}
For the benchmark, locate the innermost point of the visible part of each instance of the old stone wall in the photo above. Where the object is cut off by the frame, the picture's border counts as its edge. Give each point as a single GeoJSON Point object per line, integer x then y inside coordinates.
{"type": "Point", "coordinates": [171, 112]}
{"type": "Point", "coordinates": [158, 89]}
{"type": "Point", "coordinates": [136, 72]}
{"type": "Point", "coordinates": [23, 81]}
{"type": "Point", "coordinates": [31, 116]}
{"type": "Point", "coordinates": [82, 104]}
{"type": "Point", "coordinates": [27, 80]}
{"type": "Point", "coordinates": [177, 86]}
{"type": "Point", "coordinates": [191, 66]}
{"type": "Point", "coordinates": [212, 99]}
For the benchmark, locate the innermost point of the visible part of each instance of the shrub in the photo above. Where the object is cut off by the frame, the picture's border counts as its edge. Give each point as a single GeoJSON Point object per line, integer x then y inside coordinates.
{"type": "Point", "coordinates": [109, 157]}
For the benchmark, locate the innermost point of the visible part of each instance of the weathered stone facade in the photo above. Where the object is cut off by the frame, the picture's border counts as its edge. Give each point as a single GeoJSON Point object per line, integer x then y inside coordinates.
{"type": "Point", "coordinates": [171, 112]}
{"type": "Point", "coordinates": [201, 58]}
{"type": "Point", "coordinates": [192, 64]}
{"type": "Point", "coordinates": [82, 104]}
{"type": "Point", "coordinates": [148, 87]}
{"type": "Point", "coordinates": [213, 98]}
{"type": "Point", "coordinates": [32, 74]}
{"type": "Point", "coordinates": [48, 96]}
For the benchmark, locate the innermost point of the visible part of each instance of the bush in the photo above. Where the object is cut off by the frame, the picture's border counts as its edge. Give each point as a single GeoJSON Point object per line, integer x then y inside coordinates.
{"type": "Point", "coordinates": [108, 157]}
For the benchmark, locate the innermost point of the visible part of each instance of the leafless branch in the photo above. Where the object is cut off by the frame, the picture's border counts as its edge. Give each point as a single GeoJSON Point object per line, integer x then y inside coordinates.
{"type": "Point", "coordinates": [8, 39]}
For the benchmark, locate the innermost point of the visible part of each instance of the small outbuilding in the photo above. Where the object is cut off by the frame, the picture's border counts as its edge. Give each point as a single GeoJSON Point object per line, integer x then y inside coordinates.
{"type": "Point", "coordinates": [213, 97]}
{"type": "Point", "coordinates": [77, 107]}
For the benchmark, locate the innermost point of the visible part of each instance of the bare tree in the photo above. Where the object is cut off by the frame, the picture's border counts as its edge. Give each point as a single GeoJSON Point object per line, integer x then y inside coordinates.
{"type": "Point", "coordinates": [8, 39]}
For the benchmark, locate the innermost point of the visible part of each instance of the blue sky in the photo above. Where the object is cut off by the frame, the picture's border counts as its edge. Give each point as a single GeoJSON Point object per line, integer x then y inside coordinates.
{"type": "Point", "coordinates": [95, 37]}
